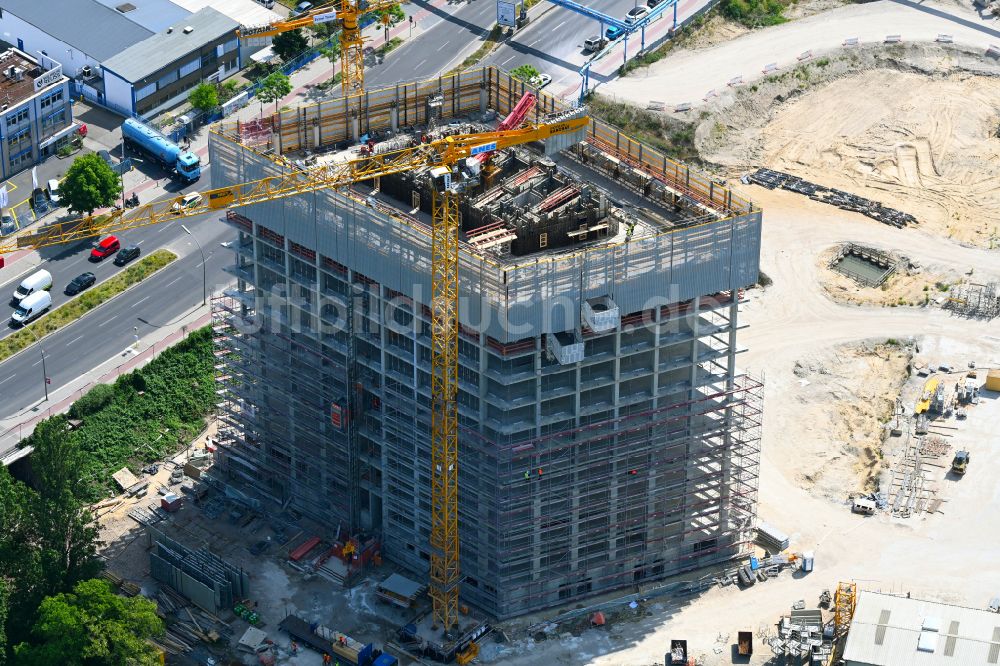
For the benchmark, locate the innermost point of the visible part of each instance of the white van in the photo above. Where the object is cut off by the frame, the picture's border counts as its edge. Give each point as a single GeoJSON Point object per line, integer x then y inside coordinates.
{"type": "Point", "coordinates": [31, 308]}
{"type": "Point", "coordinates": [37, 281]}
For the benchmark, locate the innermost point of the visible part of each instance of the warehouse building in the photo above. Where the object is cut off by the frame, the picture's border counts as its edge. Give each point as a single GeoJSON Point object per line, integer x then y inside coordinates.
{"type": "Point", "coordinates": [158, 72]}
{"type": "Point", "coordinates": [37, 116]}
{"type": "Point", "coordinates": [135, 56]}
{"type": "Point", "coordinates": [607, 437]}
{"type": "Point", "coordinates": [887, 630]}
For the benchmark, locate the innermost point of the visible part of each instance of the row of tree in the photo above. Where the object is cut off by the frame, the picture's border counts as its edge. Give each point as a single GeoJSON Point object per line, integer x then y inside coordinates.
{"type": "Point", "coordinates": [52, 609]}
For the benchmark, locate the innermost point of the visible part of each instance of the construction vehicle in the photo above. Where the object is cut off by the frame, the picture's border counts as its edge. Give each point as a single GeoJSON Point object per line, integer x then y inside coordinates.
{"type": "Point", "coordinates": [339, 646]}
{"type": "Point", "coordinates": [960, 463]}
{"type": "Point", "coordinates": [346, 14]}
{"type": "Point", "coordinates": [178, 162]}
{"type": "Point", "coordinates": [452, 173]}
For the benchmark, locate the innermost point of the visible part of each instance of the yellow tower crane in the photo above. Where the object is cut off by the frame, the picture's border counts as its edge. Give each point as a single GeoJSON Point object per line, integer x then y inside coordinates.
{"type": "Point", "coordinates": [443, 157]}
{"type": "Point", "coordinates": [346, 14]}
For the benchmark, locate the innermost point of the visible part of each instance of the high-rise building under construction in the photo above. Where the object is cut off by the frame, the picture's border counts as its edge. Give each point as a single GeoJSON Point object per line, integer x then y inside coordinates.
{"type": "Point", "coordinates": [607, 436]}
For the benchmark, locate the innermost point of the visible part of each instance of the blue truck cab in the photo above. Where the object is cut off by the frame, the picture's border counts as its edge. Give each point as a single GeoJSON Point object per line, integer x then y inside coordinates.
{"type": "Point", "coordinates": [184, 163]}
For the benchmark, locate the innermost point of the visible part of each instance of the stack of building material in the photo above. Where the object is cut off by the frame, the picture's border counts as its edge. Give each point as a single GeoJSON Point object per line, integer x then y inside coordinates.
{"type": "Point", "coordinates": [771, 538]}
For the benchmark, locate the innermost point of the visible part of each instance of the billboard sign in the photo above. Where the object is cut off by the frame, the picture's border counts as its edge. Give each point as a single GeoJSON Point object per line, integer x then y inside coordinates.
{"type": "Point", "coordinates": [506, 13]}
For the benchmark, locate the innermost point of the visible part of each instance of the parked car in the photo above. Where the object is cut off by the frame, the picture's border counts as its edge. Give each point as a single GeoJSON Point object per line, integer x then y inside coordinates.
{"type": "Point", "coordinates": [653, 3]}
{"type": "Point", "coordinates": [31, 308]}
{"type": "Point", "coordinates": [635, 15]}
{"type": "Point", "coordinates": [105, 248]}
{"type": "Point", "coordinates": [106, 156]}
{"type": "Point", "coordinates": [269, 4]}
{"type": "Point", "coordinates": [614, 32]}
{"type": "Point", "coordinates": [302, 8]}
{"type": "Point", "coordinates": [80, 282]}
{"type": "Point", "coordinates": [593, 44]}
{"type": "Point", "coordinates": [39, 201]}
{"type": "Point", "coordinates": [126, 255]}
{"type": "Point", "coordinates": [37, 281]}
{"type": "Point", "coordinates": [82, 130]}
{"type": "Point", "coordinates": [189, 200]}
{"type": "Point", "coordinates": [540, 81]}
{"type": "Point", "coordinates": [53, 189]}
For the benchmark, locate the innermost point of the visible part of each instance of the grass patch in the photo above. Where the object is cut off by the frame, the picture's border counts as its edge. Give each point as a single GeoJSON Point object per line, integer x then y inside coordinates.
{"type": "Point", "coordinates": [145, 415]}
{"type": "Point", "coordinates": [389, 46]}
{"type": "Point", "coordinates": [673, 138]}
{"type": "Point", "coordinates": [69, 312]}
{"type": "Point", "coordinates": [489, 44]}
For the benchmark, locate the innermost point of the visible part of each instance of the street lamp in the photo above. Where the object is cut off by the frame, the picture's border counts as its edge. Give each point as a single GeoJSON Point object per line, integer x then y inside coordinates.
{"type": "Point", "coordinates": [204, 269]}
{"type": "Point", "coordinates": [45, 375]}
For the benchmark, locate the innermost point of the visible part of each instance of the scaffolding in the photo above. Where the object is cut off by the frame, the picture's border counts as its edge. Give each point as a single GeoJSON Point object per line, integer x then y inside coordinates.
{"type": "Point", "coordinates": [981, 301]}
{"type": "Point", "coordinates": [605, 442]}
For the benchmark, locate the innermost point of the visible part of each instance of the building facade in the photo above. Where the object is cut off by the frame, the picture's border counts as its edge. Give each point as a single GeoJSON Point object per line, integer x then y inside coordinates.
{"type": "Point", "coordinates": [157, 72]}
{"type": "Point", "coordinates": [37, 117]}
{"type": "Point", "coordinates": [607, 436]}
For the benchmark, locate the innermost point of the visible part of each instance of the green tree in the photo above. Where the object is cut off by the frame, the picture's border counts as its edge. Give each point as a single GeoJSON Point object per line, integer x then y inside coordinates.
{"type": "Point", "coordinates": [4, 599]}
{"type": "Point", "coordinates": [90, 184]}
{"type": "Point", "coordinates": [204, 97]}
{"type": "Point", "coordinates": [66, 533]}
{"type": "Point", "coordinates": [395, 12]}
{"type": "Point", "coordinates": [93, 626]}
{"type": "Point", "coordinates": [333, 54]}
{"type": "Point", "coordinates": [274, 88]}
{"type": "Point", "coordinates": [20, 559]}
{"type": "Point", "coordinates": [228, 90]}
{"type": "Point", "coordinates": [287, 45]}
{"type": "Point", "coordinates": [524, 73]}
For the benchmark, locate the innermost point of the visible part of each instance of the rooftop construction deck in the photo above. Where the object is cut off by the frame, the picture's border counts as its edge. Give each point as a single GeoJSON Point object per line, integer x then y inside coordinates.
{"type": "Point", "coordinates": [607, 436]}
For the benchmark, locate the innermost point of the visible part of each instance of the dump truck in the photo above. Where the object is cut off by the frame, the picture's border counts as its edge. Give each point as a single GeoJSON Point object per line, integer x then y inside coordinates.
{"type": "Point", "coordinates": [744, 643]}
{"type": "Point", "coordinates": [960, 463]}
{"type": "Point", "coordinates": [340, 646]}
{"type": "Point", "coordinates": [178, 162]}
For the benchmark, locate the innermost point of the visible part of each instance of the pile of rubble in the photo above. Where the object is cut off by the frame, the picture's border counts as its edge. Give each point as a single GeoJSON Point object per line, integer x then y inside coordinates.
{"type": "Point", "coordinates": [844, 200]}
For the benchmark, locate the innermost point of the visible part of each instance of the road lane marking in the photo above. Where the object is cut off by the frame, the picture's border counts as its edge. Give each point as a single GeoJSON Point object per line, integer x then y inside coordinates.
{"type": "Point", "coordinates": [421, 63]}
{"type": "Point", "coordinates": [167, 284]}
{"type": "Point", "coordinates": [508, 60]}
{"type": "Point", "coordinates": [108, 321]}
{"type": "Point", "coordinates": [9, 378]}
{"type": "Point", "coordinates": [74, 340]}
{"type": "Point", "coordinates": [35, 363]}
{"type": "Point", "coordinates": [143, 300]}
{"type": "Point", "coordinates": [558, 26]}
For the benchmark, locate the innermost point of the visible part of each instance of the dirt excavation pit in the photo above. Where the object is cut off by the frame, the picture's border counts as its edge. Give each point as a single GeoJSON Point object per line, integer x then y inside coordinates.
{"type": "Point", "coordinates": [832, 429]}
{"type": "Point", "coordinates": [925, 144]}
{"type": "Point", "coordinates": [907, 286]}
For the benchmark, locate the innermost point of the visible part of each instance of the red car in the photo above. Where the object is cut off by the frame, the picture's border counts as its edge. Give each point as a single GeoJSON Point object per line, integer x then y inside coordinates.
{"type": "Point", "coordinates": [105, 248]}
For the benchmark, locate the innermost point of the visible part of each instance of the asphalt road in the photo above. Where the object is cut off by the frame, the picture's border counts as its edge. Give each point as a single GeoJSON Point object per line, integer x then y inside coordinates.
{"type": "Point", "coordinates": [104, 332]}
{"type": "Point", "coordinates": [553, 43]}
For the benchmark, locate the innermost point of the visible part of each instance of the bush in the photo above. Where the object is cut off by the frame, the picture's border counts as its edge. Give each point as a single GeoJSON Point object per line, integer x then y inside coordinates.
{"type": "Point", "coordinates": [146, 414]}
{"type": "Point", "coordinates": [524, 73]}
{"type": "Point", "coordinates": [754, 13]}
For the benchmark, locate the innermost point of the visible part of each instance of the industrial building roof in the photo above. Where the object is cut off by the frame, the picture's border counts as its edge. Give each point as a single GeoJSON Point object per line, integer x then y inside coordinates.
{"type": "Point", "coordinates": [155, 53]}
{"type": "Point", "coordinates": [245, 12]}
{"type": "Point", "coordinates": [889, 630]}
{"type": "Point", "coordinates": [85, 25]}
{"type": "Point", "coordinates": [153, 15]}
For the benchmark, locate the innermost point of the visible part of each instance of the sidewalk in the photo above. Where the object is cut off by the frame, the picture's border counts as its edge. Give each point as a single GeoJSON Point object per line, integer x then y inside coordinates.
{"type": "Point", "coordinates": [15, 428]}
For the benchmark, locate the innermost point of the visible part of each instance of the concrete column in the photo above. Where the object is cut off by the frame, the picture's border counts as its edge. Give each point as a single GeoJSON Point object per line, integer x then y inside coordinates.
{"type": "Point", "coordinates": [394, 118]}
{"type": "Point", "coordinates": [484, 99]}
